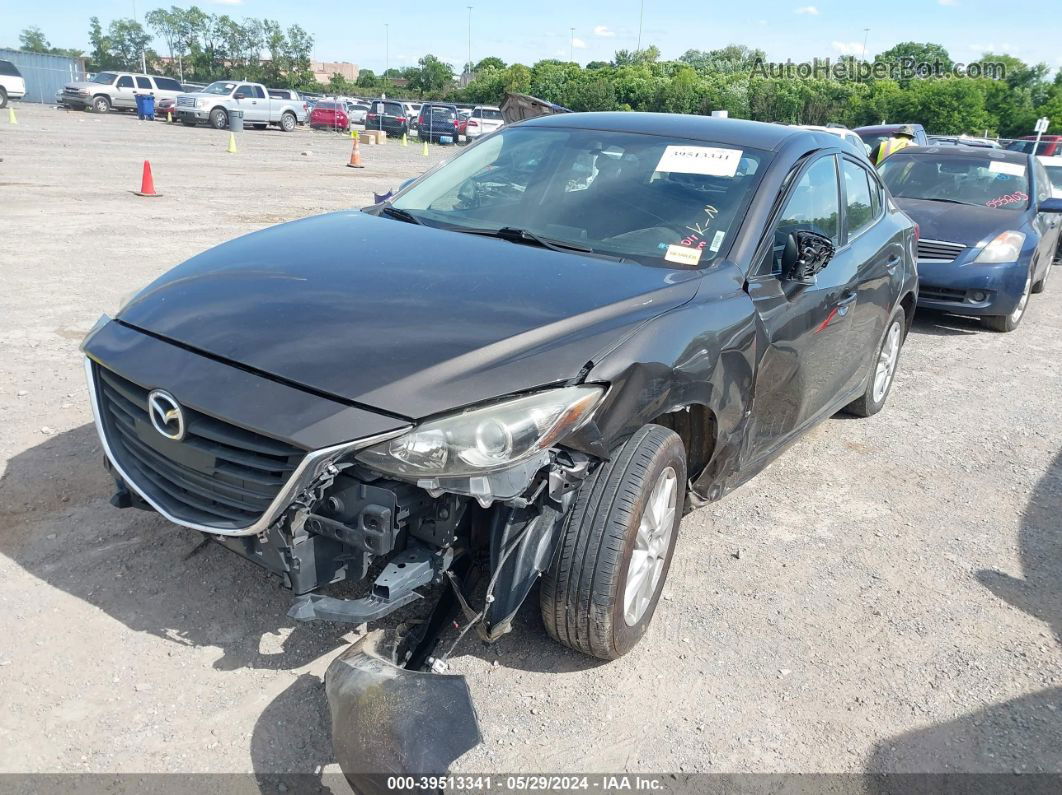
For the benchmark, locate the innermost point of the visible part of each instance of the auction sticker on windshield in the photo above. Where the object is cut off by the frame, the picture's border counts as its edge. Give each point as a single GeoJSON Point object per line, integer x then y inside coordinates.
{"type": "Point", "coordinates": [683, 255]}
{"type": "Point", "coordinates": [711, 161]}
{"type": "Point", "coordinates": [1013, 169]}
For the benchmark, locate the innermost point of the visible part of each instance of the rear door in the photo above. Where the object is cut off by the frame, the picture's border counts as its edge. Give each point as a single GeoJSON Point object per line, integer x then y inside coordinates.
{"type": "Point", "coordinates": [875, 246]}
{"type": "Point", "coordinates": [123, 92]}
{"type": "Point", "coordinates": [807, 357]}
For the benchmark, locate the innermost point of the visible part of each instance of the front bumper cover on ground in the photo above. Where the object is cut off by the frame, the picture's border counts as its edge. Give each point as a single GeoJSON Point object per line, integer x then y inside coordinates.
{"type": "Point", "coordinates": [388, 720]}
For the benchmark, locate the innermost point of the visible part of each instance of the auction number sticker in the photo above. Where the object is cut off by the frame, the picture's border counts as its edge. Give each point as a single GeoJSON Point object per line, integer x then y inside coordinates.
{"type": "Point", "coordinates": [711, 161]}
{"type": "Point", "coordinates": [1011, 169]}
{"type": "Point", "coordinates": [683, 255]}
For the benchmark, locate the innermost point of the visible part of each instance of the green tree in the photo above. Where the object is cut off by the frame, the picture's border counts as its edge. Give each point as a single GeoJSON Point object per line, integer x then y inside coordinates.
{"type": "Point", "coordinates": [32, 40]}
{"type": "Point", "coordinates": [431, 76]}
{"type": "Point", "coordinates": [490, 62]}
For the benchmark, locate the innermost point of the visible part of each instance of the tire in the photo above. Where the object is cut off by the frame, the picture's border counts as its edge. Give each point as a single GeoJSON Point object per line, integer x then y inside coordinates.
{"type": "Point", "coordinates": [583, 592]}
{"type": "Point", "coordinates": [1040, 285]}
{"type": "Point", "coordinates": [219, 119]}
{"type": "Point", "coordinates": [3, 97]}
{"type": "Point", "coordinates": [287, 121]}
{"type": "Point", "coordinates": [101, 104]}
{"type": "Point", "coordinates": [1005, 323]}
{"type": "Point", "coordinates": [882, 368]}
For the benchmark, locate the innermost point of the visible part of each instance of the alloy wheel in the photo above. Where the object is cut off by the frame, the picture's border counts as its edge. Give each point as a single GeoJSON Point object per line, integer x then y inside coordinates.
{"type": "Point", "coordinates": [651, 547]}
{"type": "Point", "coordinates": [890, 354]}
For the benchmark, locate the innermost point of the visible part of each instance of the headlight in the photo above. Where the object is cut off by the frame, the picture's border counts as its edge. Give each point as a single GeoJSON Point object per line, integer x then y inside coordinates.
{"type": "Point", "coordinates": [485, 440]}
{"type": "Point", "coordinates": [201, 103]}
{"type": "Point", "coordinates": [1005, 248]}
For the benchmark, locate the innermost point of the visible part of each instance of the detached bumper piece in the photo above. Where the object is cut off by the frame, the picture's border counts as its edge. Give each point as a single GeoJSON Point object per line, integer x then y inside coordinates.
{"type": "Point", "coordinates": [390, 721]}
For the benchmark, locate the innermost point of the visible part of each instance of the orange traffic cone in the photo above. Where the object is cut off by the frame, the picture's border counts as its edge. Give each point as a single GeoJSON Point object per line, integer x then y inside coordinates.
{"type": "Point", "coordinates": [147, 183]}
{"type": "Point", "coordinates": [355, 156]}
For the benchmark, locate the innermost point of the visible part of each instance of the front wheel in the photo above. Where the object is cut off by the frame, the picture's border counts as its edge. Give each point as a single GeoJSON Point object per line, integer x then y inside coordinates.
{"type": "Point", "coordinates": [219, 119]}
{"type": "Point", "coordinates": [601, 591]}
{"type": "Point", "coordinates": [882, 368]}
{"type": "Point", "coordinates": [1010, 322]}
{"type": "Point", "coordinates": [287, 122]}
{"type": "Point", "coordinates": [101, 104]}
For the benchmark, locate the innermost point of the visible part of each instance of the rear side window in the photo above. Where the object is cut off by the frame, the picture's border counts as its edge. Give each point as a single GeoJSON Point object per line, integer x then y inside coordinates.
{"type": "Point", "coordinates": [814, 205]}
{"type": "Point", "coordinates": [125, 81]}
{"type": "Point", "coordinates": [9, 69]}
{"type": "Point", "coordinates": [859, 210]}
{"type": "Point", "coordinates": [279, 94]}
{"type": "Point", "coordinates": [493, 115]}
{"type": "Point", "coordinates": [167, 84]}
{"type": "Point", "coordinates": [144, 82]}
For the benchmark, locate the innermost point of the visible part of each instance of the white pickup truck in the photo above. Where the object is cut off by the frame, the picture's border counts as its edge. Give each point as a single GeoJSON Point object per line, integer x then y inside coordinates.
{"type": "Point", "coordinates": [213, 103]}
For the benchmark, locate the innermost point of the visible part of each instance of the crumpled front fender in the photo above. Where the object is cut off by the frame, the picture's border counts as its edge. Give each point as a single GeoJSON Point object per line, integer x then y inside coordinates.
{"type": "Point", "coordinates": [390, 721]}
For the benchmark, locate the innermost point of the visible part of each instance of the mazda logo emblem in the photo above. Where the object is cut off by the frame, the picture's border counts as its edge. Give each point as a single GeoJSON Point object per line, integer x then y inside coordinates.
{"type": "Point", "coordinates": [166, 414]}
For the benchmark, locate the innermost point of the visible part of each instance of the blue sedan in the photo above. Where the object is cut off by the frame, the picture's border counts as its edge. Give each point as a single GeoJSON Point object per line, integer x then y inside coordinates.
{"type": "Point", "coordinates": [989, 229]}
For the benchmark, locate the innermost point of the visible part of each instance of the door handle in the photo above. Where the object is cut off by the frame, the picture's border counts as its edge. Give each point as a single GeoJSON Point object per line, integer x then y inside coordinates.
{"type": "Point", "coordinates": [848, 300]}
{"type": "Point", "coordinates": [892, 262]}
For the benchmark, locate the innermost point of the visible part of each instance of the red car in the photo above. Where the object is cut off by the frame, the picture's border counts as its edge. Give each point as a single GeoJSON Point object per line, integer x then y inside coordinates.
{"type": "Point", "coordinates": [329, 115]}
{"type": "Point", "coordinates": [164, 106]}
{"type": "Point", "coordinates": [1050, 145]}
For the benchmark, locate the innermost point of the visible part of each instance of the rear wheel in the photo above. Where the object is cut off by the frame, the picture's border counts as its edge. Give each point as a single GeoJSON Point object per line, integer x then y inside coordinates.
{"type": "Point", "coordinates": [1010, 322]}
{"type": "Point", "coordinates": [101, 104]}
{"type": "Point", "coordinates": [219, 119]}
{"type": "Point", "coordinates": [287, 121]}
{"type": "Point", "coordinates": [882, 368]}
{"type": "Point", "coordinates": [601, 591]}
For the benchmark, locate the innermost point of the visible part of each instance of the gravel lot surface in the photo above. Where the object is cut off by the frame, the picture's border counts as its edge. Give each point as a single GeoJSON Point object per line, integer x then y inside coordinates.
{"type": "Point", "coordinates": [886, 596]}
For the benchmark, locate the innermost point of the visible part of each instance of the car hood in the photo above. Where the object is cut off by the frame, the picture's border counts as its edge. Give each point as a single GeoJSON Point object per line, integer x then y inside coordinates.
{"type": "Point", "coordinates": [408, 319]}
{"type": "Point", "coordinates": [86, 84]}
{"type": "Point", "coordinates": [958, 223]}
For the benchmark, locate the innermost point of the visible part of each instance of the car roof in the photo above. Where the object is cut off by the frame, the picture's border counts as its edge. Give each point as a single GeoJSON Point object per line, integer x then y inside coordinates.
{"type": "Point", "coordinates": [1006, 155]}
{"type": "Point", "coordinates": [1050, 160]}
{"type": "Point", "coordinates": [737, 132]}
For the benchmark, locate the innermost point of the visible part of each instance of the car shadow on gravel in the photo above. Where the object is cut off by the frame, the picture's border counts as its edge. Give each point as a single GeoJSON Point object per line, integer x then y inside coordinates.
{"type": "Point", "coordinates": [152, 576]}
{"type": "Point", "coordinates": [1023, 735]}
{"type": "Point", "coordinates": [942, 324]}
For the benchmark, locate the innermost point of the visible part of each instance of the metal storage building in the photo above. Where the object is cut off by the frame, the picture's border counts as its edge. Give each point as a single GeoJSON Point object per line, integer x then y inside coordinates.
{"type": "Point", "coordinates": [44, 74]}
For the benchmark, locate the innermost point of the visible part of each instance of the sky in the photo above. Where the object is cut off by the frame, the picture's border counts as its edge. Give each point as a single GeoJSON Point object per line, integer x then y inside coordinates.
{"type": "Point", "coordinates": [373, 35]}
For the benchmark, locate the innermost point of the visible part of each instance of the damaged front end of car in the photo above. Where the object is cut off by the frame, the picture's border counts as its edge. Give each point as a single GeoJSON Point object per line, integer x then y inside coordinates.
{"type": "Point", "coordinates": [432, 509]}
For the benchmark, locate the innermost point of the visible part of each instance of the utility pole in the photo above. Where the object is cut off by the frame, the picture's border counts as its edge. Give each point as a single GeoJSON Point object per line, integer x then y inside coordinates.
{"type": "Point", "coordinates": [387, 51]}
{"type": "Point", "coordinates": [641, 16]}
{"type": "Point", "coordinates": [470, 75]}
{"type": "Point", "coordinates": [866, 34]}
{"type": "Point", "coordinates": [571, 46]}
{"type": "Point", "coordinates": [143, 56]}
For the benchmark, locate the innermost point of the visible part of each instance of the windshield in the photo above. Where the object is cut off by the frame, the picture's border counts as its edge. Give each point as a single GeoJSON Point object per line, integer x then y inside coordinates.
{"type": "Point", "coordinates": [104, 77]}
{"type": "Point", "coordinates": [219, 87]}
{"type": "Point", "coordinates": [651, 198]}
{"type": "Point", "coordinates": [966, 180]}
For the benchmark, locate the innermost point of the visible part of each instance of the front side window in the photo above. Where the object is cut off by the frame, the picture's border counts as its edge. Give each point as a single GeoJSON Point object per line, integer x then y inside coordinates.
{"type": "Point", "coordinates": [814, 205]}
{"type": "Point", "coordinates": [958, 179]}
{"type": "Point", "coordinates": [125, 81]}
{"type": "Point", "coordinates": [246, 90]}
{"type": "Point", "coordinates": [859, 209]}
{"type": "Point", "coordinates": [1043, 186]}
{"type": "Point", "coordinates": [258, 92]}
{"type": "Point", "coordinates": [650, 198]}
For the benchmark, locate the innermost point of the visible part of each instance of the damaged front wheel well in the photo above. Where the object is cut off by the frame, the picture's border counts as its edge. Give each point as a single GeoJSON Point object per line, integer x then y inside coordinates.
{"type": "Point", "coordinates": [696, 425]}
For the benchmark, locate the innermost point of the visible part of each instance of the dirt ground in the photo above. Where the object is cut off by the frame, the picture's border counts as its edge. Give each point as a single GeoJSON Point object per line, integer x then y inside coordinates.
{"type": "Point", "coordinates": [886, 596]}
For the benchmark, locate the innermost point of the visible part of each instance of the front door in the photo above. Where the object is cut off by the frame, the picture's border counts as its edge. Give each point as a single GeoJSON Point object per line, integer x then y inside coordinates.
{"type": "Point", "coordinates": [804, 348]}
{"type": "Point", "coordinates": [123, 93]}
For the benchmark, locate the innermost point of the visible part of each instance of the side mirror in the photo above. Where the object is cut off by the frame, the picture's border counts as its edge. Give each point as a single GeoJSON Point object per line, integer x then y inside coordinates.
{"type": "Point", "coordinates": [1050, 206]}
{"type": "Point", "coordinates": [806, 253]}
{"type": "Point", "coordinates": [239, 96]}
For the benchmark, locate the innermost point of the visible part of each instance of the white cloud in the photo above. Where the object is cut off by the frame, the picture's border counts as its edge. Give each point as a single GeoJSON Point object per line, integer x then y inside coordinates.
{"type": "Point", "coordinates": [848, 47]}
{"type": "Point", "coordinates": [578, 43]}
{"type": "Point", "coordinates": [948, 2]}
{"type": "Point", "coordinates": [809, 10]}
{"type": "Point", "coordinates": [992, 47]}
{"type": "Point", "coordinates": [604, 32]}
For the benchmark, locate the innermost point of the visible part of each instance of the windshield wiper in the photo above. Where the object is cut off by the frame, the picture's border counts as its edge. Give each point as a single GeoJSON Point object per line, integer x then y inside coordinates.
{"type": "Point", "coordinates": [949, 201]}
{"type": "Point", "coordinates": [401, 215]}
{"type": "Point", "coordinates": [515, 235]}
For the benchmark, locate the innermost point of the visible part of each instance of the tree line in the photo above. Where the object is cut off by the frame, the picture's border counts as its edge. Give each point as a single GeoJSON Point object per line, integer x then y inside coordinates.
{"type": "Point", "coordinates": [201, 47]}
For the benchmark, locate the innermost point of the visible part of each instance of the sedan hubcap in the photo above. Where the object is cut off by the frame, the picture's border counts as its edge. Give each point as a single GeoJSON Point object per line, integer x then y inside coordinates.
{"type": "Point", "coordinates": [651, 546]}
{"type": "Point", "coordinates": [890, 353]}
{"type": "Point", "coordinates": [1019, 310]}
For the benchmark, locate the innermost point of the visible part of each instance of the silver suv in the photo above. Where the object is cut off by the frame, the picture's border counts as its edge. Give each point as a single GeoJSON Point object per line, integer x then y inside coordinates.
{"type": "Point", "coordinates": [117, 90]}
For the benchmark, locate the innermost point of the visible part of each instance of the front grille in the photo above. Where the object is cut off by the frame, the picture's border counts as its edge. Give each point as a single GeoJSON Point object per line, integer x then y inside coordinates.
{"type": "Point", "coordinates": [941, 293]}
{"type": "Point", "coordinates": [186, 102]}
{"type": "Point", "coordinates": [219, 475]}
{"type": "Point", "coordinates": [939, 249]}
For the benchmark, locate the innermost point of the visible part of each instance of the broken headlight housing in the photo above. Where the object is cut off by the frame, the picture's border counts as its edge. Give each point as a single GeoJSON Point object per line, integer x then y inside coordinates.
{"type": "Point", "coordinates": [490, 452]}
